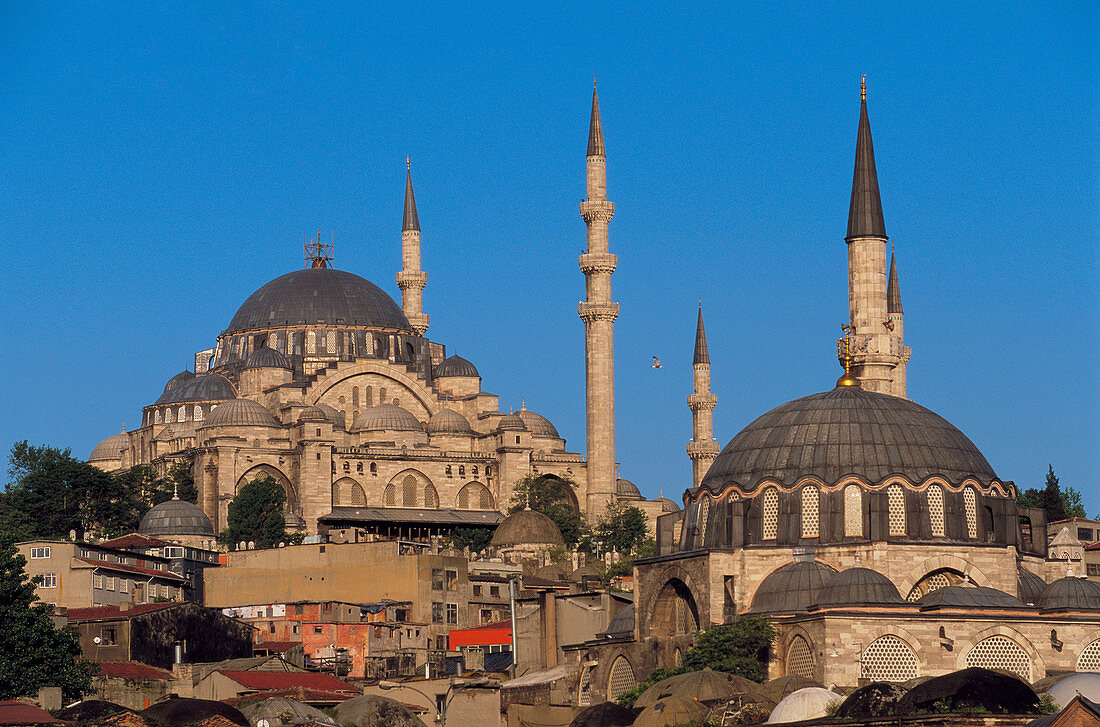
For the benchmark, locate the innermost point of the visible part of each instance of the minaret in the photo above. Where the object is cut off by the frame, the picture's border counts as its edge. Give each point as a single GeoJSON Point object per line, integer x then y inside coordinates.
{"type": "Point", "coordinates": [876, 353]}
{"type": "Point", "coordinates": [598, 313]}
{"type": "Point", "coordinates": [411, 279]}
{"type": "Point", "coordinates": [702, 449]}
{"type": "Point", "coordinates": [894, 313]}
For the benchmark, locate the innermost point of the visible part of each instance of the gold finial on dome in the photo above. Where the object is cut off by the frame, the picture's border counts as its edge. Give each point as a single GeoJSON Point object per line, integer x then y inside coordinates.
{"type": "Point", "coordinates": [863, 87]}
{"type": "Point", "coordinates": [845, 345]}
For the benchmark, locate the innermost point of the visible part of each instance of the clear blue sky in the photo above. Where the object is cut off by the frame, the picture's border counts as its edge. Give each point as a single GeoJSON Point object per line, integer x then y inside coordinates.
{"type": "Point", "coordinates": [162, 160]}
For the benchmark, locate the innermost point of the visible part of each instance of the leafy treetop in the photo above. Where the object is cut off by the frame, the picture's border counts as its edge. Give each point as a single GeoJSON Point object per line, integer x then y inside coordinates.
{"type": "Point", "coordinates": [552, 497]}
{"type": "Point", "coordinates": [1056, 502]}
{"type": "Point", "coordinates": [256, 515]}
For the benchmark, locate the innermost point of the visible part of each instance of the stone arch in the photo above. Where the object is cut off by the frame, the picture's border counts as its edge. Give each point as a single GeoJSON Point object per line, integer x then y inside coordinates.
{"type": "Point", "coordinates": [674, 610]}
{"type": "Point", "coordinates": [1035, 662]}
{"type": "Point", "coordinates": [945, 561]}
{"type": "Point", "coordinates": [346, 492]}
{"type": "Point", "coordinates": [474, 496]}
{"type": "Point", "coordinates": [798, 657]}
{"type": "Point", "coordinates": [889, 658]}
{"type": "Point", "coordinates": [933, 581]}
{"type": "Point", "coordinates": [621, 677]}
{"type": "Point", "coordinates": [431, 497]}
{"type": "Point", "coordinates": [365, 367]}
{"type": "Point", "coordinates": [266, 470]}
{"type": "Point", "coordinates": [407, 485]}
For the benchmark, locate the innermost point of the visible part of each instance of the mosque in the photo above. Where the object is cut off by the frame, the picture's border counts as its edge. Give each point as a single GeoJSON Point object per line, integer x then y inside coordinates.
{"type": "Point", "coordinates": [323, 382]}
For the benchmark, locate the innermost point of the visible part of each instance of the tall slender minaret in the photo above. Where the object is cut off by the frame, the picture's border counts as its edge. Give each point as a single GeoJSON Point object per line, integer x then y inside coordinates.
{"type": "Point", "coordinates": [894, 312]}
{"type": "Point", "coordinates": [702, 449]}
{"type": "Point", "coordinates": [878, 351]}
{"type": "Point", "coordinates": [411, 279]}
{"type": "Point", "coordinates": [598, 313]}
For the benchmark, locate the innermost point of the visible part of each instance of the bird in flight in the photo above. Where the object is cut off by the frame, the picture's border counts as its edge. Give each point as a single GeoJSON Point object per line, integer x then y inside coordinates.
{"type": "Point", "coordinates": [656, 363]}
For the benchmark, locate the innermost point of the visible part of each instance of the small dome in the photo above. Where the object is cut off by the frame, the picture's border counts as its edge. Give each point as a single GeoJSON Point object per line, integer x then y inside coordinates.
{"type": "Point", "coordinates": [511, 422]}
{"type": "Point", "coordinates": [333, 416]}
{"type": "Point", "coordinates": [968, 597]}
{"type": "Point", "coordinates": [176, 517]}
{"type": "Point", "coordinates": [537, 424]}
{"type": "Point", "coordinates": [791, 587]}
{"type": "Point", "coordinates": [449, 421]}
{"type": "Point", "coordinates": [858, 586]}
{"type": "Point", "coordinates": [180, 378]}
{"type": "Point", "coordinates": [386, 418]}
{"type": "Point", "coordinates": [455, 366]}
{"type": "Point", "coordinates": [208, 387]}
{"type": "Point", "coordinates": [527, 527]}
{"type": "Point", "coordinates": [1029, 587]}
{"type": "Point", "coordinates": [1070, 594]}
{"type": "Point", "coordinates": [240, 413]}
{"type": "Point", "coordinates": [627, 490]}
{"type": "Point", "coordinates": [266, 358]}
{"type": "Point", "coordinates": [808, 703]}
{"type": "Point", "coordinates": [668, 505]}
{"type": "Point", "coordinates": [110, 448]}
{"type": "Point", "coordinates": [622, 623]}
{"type": "Point", "coordinates": [312, 414]}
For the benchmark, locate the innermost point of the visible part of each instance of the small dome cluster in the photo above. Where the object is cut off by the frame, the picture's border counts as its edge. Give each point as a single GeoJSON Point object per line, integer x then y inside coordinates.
{"type": "Point", "coordinates": [449, 421]}
{"type": "Point", "coordinates": [537, 424]}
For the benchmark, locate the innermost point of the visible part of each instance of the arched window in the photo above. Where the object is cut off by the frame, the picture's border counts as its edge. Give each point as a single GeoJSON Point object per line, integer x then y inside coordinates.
{"type": "Point", "coordinates": [198, 413]}
{"type": "Point", "coordinates": [1089, 660]}
{"type": "Point", "coordinates": [182, 414]}
{"type": "Point", "coordinates": [473, 471]}
{"type": "Point", "coordinates": [621, 678]}
{"type": "Point", "coordinates": [355, 395]}
{"type": "Point", "coordinates": [800, 660]}
{"type": "Point", "coordinates": [347, 466]}
{"type": "Point", "coordinates": [1000, 652]}
{"type": "Point", "coordinates": [810, 513]}
{"type": "Point", "coordinates": [381, 394]}
{"type": "Point", "coordinates": [330, 342]}
{"type": "Point", "coordinates": [169, 416]}
{"type": "Point", "coordinates": [374, 468]}
{"type": "Point", "coordinates": [389, 497]}
{"type": "Point", "coordinates": [359, 468]}
{"type": "Point", "coordinates": [271, 340]}
{"type": "Point", "coordinates": [311, 342]}
{"type": "Point", "coordinates": [704, 517]}
{"type": "Point", "coordinates": [462, 470]}
{"type": "Point", "coordinates": [853, 511]}
{"type": "Point", "coordinates": [895, 496]}
{"type": "Point", "coordinates": [431, 497]}
{"type": "Point", "coordinates": [156, 417]}
{"type": "Point", "coordinates": [474, 496]}
{"type": "Point", "coordinates": [888, 659]}
{"type": "Point", "coordinates": [770, 518]}
{"type": "Point", "coordinates": [935, 510]}
{"type": "Point", "coordinates": [584, 690]}
{"type": "Point", "coordinates": [970, 503]}
{"type": "Point", "coordinates": [408, 491]}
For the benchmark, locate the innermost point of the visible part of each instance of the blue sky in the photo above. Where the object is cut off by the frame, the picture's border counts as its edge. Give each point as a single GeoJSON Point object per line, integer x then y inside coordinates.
{"type": "Point", "coordinates": [162, 161]}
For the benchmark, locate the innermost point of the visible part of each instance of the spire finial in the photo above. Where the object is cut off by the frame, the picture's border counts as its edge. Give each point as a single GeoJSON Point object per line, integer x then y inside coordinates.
{"type": "Point", "coordinates": [595, 128]}
{"type": "Point", "coordinates": [408, 163]}
{"type": "Point", "coordinates": [175, 491]}
{"type": "Point", "coordinates": [318, 254]}
{"type": "Point", "coordinates": [523, 403]}
{"type": "Point", "coordinates": [702, 355]}
{"type": "Point", "coordinates": [845, 345]}
{"type": "Point", "coordinates": [593, 80]}
{"type": "Point", "coordinates": [863, 87]}
{"type": "Point", "coordinates": [410, 220]}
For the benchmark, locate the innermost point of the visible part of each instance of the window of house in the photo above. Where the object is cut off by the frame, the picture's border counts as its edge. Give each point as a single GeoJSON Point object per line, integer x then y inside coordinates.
{"type": "Point", "coordinates": [37, 553]}
{"type": "Point", "coordinates": [437, 613]}
{"type": "Point", "coordinates": [108, 636]}
{"type": "Point", "coordinates": [295, 629]}
{"type": "Point", "coordinates": [494, 591]}
{"type": "Point", "coordinates": [447, 470]}
{"type": "Point", "coordinates": [486, 615]}
{"type": "Point", "coordinates": [271, 627]}
{"type": "Point", "coordinates": [452, 580]}
{"type": "Point", "coordinates": [477, 590]}
{"type": "Point", "coordinates": [110, 583]}
{"type": "Point", "coordinates": [452, 613]}
{"type": "Point", "coordinates": [437, 579]}
{"type": "Point", "coordinates": [462, 470]}
{"type": "Point", "coordinates": [173, 552]}
{"type": "Point", "coordinates": [318, 630]}
{"type": "Point", "coordinates": [97, 581]}
{"type": "Point", "coordinates": [374, 468]}
{"type": "Point", "coordinates": [124, 585]}
{"type": "Point", "coordinates": [1083, 534]}
{"type": "Point", "coordinates": [49, 580]}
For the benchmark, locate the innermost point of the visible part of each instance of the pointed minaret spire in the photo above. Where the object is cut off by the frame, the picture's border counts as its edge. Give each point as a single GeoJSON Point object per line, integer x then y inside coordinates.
{"type": "Point", "coordinates": [893, 291]}
{"type": "Point", "coordinates": [865, 210]}
{"type": "Point", "coordinates": [595, 131]}
{"type": "Point", "coordinates": [702, 356]}
{"type": "Point", "coordinates": [411, 280]}
{"type": "Point", "coordinates": [702, 449]}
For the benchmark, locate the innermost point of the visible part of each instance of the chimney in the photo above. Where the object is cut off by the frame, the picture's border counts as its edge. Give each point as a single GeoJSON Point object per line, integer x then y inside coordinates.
{"type": "Point", "coordinates": [125, 606]}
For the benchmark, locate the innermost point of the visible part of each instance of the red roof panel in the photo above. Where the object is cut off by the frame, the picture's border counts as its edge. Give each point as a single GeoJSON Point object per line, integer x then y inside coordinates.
{"type": "Point", "coordinates": [98, 612]}
{"type": "Point", "coordinates": [288, 680]}
{"type": "Point", "coordinates": [132, 670]}
{"type": "Point", "coordinates": [132, 569]}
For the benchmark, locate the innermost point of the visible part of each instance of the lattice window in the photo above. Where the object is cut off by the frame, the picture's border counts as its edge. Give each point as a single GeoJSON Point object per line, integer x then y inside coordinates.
{"type": "Point", "coordinates": [311, 342]}
{"type": "Point", "coordinates": [810, 512]}
{"type": "Point", "coordinates": [408, 492]}
{"type": "Point", "coordinates": [330, 342]}
{"type": "Point", "coordinates": [431, 497]}
{"type": "Point", "coordinates": [853, 511]}
{"type": "Point", "coordinates": [389, 497]}
{"type": "Point", "coordinates": [622, 678]}
{"type": "Point", "coordinates": [935, 509]}
{"type": "Point", "coordinates": [198, 413]}
{"type": "Point", "coordinates": [272, 340]}
{"type": "Point", "coordinates": [970, 501]}
{"type": "Point", "coordinates": [771, 514]}
{"type": "Point", "coordinates": [1089, 661]}
{"type": "Point", "coordinates": [896, 497]}
{"type": "Point", "coordinates": [800, 660]}
{"type": "Point", "coordinates": [168, 416]}
{"type": "Point", "coordinates": [182, 416]}
{"type": "Point", "coordinates": [584, 691]}
{"type": "Point", "coordinates": [157, 417]}
{"type": "Point", "coordinates": [888, 659]}
{"type": "Point", "coordinates": [935, 581]}
{"type": "Point", "coordinates": [1000, 652]}
{"type": "Point", "coordinates": [704, 518]}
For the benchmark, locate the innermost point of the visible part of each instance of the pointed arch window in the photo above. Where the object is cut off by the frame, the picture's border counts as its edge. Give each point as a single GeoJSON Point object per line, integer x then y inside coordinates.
{"type": "Point", "coordinates": [895, 496]}
{"type": "Point", "coordinates": [389, 496]}
{"type": "Point", "coordinates": [408, 491]}
{"type": "Point", "coordinates": [935, 510]}
{"type": "Point", "coordinates": [169, 416]}
{"type": "Point", "coordinates": [853, 511]}
{"type": "Point", "coordinates": [810, 512]}
{"type": "Point", "coordinates": [431, 497]}
{"type": "Point", "coordinates": [770, 517]}
{"type": "Point", "coordinates": [198, 413]}
{"type": "Point", "coordinates": [621, 679]}
{"type": "Point", "coordinates": [800, 659]}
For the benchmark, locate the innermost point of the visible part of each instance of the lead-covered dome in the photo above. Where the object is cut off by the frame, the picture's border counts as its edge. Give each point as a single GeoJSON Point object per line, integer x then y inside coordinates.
{"type": "Point", "coordinates": [791, 587]}
{"type": "Point", "coordinates": [858, 586]}
{"type": "Point", "coordinates": [266, 358]}
{"type": "Point", "coordinates": [449, 421]}
{"type": "Point", "coordinates": [847, 431]}
{"type": "Point", "coordinates": [180, 378]}
{"type": "Point", "coordinates": [527, 527]}
{"type": "Point", "coordinates": [176, 517]}
{"type": "Point", "coordinates": [627, 490]}
{"type": "Point", "coordinates": [455, 366]}
{"type": "Point", "coordinates": [241, 413]}
{"type": "Point", "coordinates": [208, 387]}
{"type": "Point", "coordinates": [318, 296]}
{"type": "Point", "coordinates": [537, 424]}
{"type": "Point", "coordinates": [386, 418]}
{"type": "Point", "coordinates": [110, 448]}
{"type": "Point", "coordinates": [1070, 594]}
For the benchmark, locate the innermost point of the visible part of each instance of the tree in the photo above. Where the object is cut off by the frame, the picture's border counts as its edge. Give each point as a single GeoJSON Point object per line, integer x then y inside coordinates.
{"type": "Point", "coordinates": [35, 652]}
{"type": "Point", "coordinates": [742, 647]}
{"type": "Point", "coordinates": [256, 514]}
{"type": "Point", "coordinates": [178, 482]}
{"type": "Point", "coordinates": [621, 528]}
{"type": "Point", "coordinates": [1055, 502]}
{"type": "Point", "coordinates": [553, 497]}
{"type": "Point", "coordinates": [476, 539]}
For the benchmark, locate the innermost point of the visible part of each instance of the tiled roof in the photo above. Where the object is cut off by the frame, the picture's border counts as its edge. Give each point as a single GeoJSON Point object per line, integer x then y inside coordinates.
{"type": "Point", "coordinates": [275, 645]}
{"type": "Point", "coordinates": [308, 696]}
{"type": "Point", "coordinates": [134, 540]}
{"type": "Point", "coordinates": [122, 568]}
{"type": "Point", "coordinates": [13, 711]}
{"type": "Point", "coordinates": [98, 612]}
{"type": "Point", "coordinates": [288, 680]}
{"type": "Point", "coordinates": [132, 670]}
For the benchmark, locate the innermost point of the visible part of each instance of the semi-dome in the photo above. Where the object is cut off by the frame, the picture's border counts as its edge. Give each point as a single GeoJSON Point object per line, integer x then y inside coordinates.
{"type": "Point", "coordinates": [181, 377]}
{"type": "Point", "coordinates": [627, 490]}
{"type": "Point", "coordinates": [1029, 586]}
{"type": "Point", "coordinates": [208, 387]}
{"type": "Point", "coordinates": [1070, 594]}
{"type": "Point", "coordinates": [527, 527]}
{"type": "Point", "coordinates": [318, 296]}
{"type": "Point", "coordinates": [847, 431]}
{"type": "Point", "coordinates": [176, 517]}
{"type": "Point", "coordinates": [968, 597]}
{"type": "Point", "coordinates": [858, 586]}
{"type": "Point", "coordinates": [240, 413]}
{"type": "Point", "coordinates": [312, 414]}
{"type": "Point", "coordinates": [266, 358]}
{"type": "Point", "coordinates": [449, 421]}
{"type": "Point", "coordinates": [386, 418]}
{"type": "Point", "coordinates": [110, 448]}
{"type": "Point", "coordinates": [791, 587]}
{"type": "Point", "coordinates": [455, 366]}
{"type": "Point", "coordinates": [537, 424]}
{"type": "Point", "coordinates": [511, 422]}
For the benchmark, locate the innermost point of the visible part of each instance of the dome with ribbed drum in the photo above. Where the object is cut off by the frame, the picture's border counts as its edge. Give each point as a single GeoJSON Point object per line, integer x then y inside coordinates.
{"type": "Point", "coordinates": [858, 586]}
{"type": "Point", "coordinates": [449, 421]}
{"type": "Point", "coordinates": [208, 387]}
{"type": "Point", "coordinates": [847, 431]}
{"type": "Point", "coordinates": [180, 378]}
{"type": "Point", "coordinates": [312, 414]}
{"type": "Point", "coordinates": [386, 418]}
{"type": "Point", "coordinates": [527, 527]}
{"type": "Point", "coordinates": [791, 587]}
{"type": "Point", "coordinates": [511, 422]}
{"type": "Point", "coordinates": [110, 448]}
{"type": "Point", "coordinates": [318, 296]}
{"type": "Point", "coordinates": [627, 490]}
{"type": "Point", "coordinates": [175, 517]}
{"type": "Point", "coordinates": [455, 366]}
{"type": "Point", "coordinates": [266, 358]}
{"type": "Point", "coordinates": [1070, 594]}
{"type": "Point", "coordinates": [240, 413]}
{"type": "Point", "coordinates": [537, 424]}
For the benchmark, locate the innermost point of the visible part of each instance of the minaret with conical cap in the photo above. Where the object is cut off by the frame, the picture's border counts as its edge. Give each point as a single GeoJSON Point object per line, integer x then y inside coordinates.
{"type": "Point", "coordinates": [878, 350]}
{"type": "Point", "coordinates": [894, 313]}
{"type": "Point", "coordinates": [702, 449]}
{"type": "Point", "coordinates": [411, 280]}
{"type": "Point", "coordinates": [598, 313]}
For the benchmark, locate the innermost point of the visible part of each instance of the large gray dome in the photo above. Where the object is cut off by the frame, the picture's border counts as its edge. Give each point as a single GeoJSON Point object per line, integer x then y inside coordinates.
{"type": "Point", "coordinates": [791, 587]}
{"type": "Point", "coordinates": [110, 448]}
{"type": "Point", "coordinates": [176, 517]}
{"type": "Point", "coordinates": [208, 387]}
{"type": "Point", "coordinates": [858, 586]}
{"type": "Point", "coordinates": [847, 431]}
{"type": "Point", "coordinates": [318, 296]}
{"type": "Point", "coordinates": [386, 418]}
{"type": "Point", "coordinates": [241, 413]}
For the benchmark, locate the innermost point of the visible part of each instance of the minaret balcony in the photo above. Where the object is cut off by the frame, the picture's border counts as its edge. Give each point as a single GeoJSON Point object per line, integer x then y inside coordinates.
{"type": "Point", "coordinates": [597, 210]}
{"type": "Point", "coordinates": [702, 450]}
{"type": "Point", "coordinates": [598, 262]}
{"type": "Point", "coordinates": [702, 401]}
{"type": "Point", "coordinates": [412, 279]}
{"type": "Point", "coordinates": [880, 347]}
{"type": "Point", "coordinates": [597, 311]}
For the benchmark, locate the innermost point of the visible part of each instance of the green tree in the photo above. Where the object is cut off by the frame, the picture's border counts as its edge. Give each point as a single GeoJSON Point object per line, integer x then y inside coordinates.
{"type": "Point", "coordinates": [620, 528]}
{"type": "Point", "coordinates": [742, 647]}
{"type": "Point", "coordinates": [1057, 503]}
{"type": "Point", "coordinates": [35, 652]}
{"type": "Point", "coordinates": [178, 481]}
{"type": "Point", "coordinates": [256, 514]}
{"type": "Point", "coordinates": [554, 498]}
{"type": "Point", "coordinates": [476, 539]}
